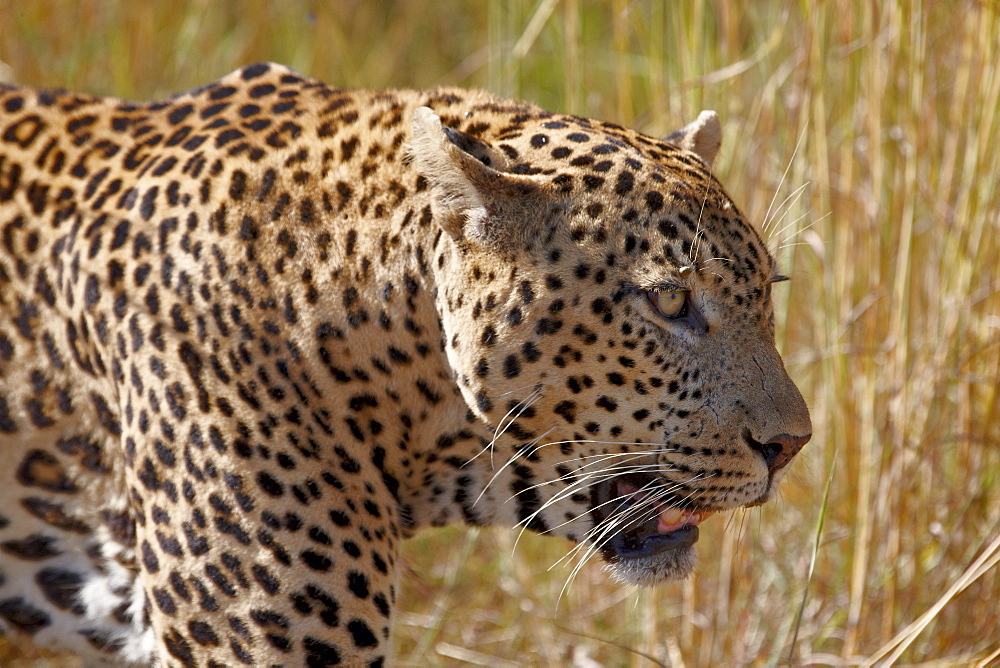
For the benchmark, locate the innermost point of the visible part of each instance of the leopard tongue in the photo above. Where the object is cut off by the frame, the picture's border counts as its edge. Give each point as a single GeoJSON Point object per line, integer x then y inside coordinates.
{"type": "Point", "coordinates": [672, 519]}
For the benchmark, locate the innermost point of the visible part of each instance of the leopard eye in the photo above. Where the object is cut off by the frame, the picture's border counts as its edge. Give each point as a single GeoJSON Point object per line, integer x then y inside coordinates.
{"type": "Point", "coordinates": [670, 304]}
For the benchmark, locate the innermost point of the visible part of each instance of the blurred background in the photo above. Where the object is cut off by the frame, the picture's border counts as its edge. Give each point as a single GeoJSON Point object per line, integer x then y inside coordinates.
{"type": "Point", "coordinates": [864, 137]}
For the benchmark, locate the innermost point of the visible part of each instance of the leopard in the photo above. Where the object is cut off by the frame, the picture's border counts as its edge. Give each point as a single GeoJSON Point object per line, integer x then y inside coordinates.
{"type": "Point", "coordinates": [254, 336]}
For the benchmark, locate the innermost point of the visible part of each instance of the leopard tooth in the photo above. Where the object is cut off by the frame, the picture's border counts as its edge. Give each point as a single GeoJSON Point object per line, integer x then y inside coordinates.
{"type": "Point", "coordinates": [672, 516]}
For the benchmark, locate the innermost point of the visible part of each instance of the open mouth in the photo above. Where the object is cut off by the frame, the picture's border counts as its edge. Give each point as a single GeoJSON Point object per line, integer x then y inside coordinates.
{"type": "Point", "coordinates": [642, 524]}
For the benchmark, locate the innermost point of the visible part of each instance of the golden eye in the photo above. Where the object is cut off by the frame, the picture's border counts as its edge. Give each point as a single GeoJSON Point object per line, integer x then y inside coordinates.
{"type": "Point", "coordinates": [671, 304]}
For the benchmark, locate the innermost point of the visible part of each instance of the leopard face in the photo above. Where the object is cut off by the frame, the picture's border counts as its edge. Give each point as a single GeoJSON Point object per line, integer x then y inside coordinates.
{"type": "Point", "coordinates": [254, 336]}
{"type": "Point", "coordinates": [607, 309]}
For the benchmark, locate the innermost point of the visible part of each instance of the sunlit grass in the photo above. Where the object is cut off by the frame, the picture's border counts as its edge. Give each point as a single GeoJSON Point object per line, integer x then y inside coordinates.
{"type": "Point", "coordinates": [887, 115]}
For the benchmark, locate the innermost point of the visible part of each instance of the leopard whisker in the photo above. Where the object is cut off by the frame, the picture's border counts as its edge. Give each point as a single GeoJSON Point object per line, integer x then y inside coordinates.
{"type": "Point", "coordinates": [696, 241]}
{"type": "Point", "coordinates": [535, 448]}
{"type": "Point", "coordinates": [798, 231]}
{"type": "Point", "coordinates": [784, 175]}
{"type": "Point", "coordinates": [511, 460]}
{"type": "Point", "coordinates": [652, 467]}
{"type": "Point", "coordinates": [586, 441]}
{"type": "Point", "coordinates": [520, 406]}
{"type": "Point", "coordinates": [792, 245]}
{"type": "Point", "coordinates": [537, 388]}
{"type": "Point", "coordinates": [785, 206]}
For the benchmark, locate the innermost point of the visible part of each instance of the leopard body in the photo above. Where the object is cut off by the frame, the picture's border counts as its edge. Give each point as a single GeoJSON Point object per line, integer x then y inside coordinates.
{"type": "Point", "coordinates": [253, 336]}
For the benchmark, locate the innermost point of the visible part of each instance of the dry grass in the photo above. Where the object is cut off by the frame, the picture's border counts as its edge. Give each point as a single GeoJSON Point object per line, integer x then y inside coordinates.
{"type": "Point", "coordinates": [873, 130]}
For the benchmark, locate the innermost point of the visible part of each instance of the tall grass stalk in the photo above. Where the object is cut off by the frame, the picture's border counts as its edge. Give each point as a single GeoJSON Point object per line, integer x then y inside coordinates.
{"type": "Point", "coordinates": [890, 325]}
{"type": "Point", "coordinates": [812, 561]}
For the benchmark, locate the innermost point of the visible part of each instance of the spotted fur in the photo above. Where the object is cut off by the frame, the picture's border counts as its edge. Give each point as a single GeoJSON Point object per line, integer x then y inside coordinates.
{"type": "Point", "coordinates": [253, 336]}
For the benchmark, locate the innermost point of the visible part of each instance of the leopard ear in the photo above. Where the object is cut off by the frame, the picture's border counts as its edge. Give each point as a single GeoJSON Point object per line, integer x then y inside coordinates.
{"type": "Point", "coordinates": [702, 136]}
{"type": "Point", "coordinates": [472, 200]}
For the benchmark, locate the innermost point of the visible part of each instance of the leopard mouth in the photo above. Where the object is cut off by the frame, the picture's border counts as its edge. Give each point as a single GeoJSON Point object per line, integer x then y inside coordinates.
{"type": "Point", "coordinates": [645, 537]}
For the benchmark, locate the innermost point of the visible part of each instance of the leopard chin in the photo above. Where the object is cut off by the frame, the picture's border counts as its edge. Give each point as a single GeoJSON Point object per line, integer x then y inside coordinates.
{"type": "Point", "coordinates": [674, 564]}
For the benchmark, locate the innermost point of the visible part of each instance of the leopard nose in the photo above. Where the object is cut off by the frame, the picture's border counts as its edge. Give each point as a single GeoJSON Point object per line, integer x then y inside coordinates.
{"type": "Point", "coordinates": [778, 450]}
